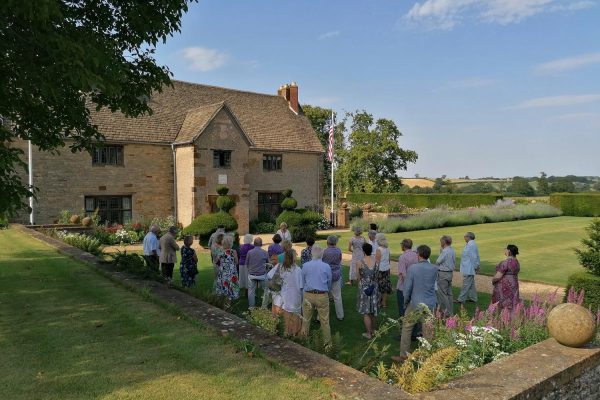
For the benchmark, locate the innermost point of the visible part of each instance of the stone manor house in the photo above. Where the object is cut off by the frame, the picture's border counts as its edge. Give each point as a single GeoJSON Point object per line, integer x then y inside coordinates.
{"type": "Point", "coordinates": [171, 162]}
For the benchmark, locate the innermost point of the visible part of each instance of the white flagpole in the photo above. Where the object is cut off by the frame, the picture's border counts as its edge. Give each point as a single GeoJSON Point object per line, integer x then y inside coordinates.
{"type": "Point", "coordinates": [333, 134]}
{"type": "Point", "coordinates": [30, 182]}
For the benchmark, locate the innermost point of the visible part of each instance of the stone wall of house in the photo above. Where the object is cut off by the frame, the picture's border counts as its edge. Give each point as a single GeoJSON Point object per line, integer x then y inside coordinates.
{"type": "Point", "coordinates": [222, 134]}
{"type": "Point", "coordinates": [64, 181]}
{"type": "Point", "coordinates": [301, 172]}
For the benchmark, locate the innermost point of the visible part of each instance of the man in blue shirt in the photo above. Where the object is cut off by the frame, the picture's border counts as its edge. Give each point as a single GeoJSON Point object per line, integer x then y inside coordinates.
{"type": "Point", "coordinates": [469, 266]}
{"type": "Point", "coordinates": [419, 291]}
{"type": "Point", "coordinates": [317, 284]}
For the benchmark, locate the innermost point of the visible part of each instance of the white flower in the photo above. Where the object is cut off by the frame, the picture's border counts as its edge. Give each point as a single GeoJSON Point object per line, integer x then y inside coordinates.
{"type": "Point", "coordinates": [461, 343]}
{"type": "Point", "coordinates": [424, 343]}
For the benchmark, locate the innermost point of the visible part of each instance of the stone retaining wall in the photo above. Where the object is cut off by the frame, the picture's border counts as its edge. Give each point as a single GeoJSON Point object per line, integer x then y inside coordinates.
{"type": "Point", "coordinates": [546, 370]}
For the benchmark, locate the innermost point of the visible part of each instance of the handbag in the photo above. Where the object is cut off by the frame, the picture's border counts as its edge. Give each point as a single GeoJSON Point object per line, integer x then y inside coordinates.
{"type": "Point", "coordinates": [274, 284]}
{"type": "Point", "coordinates": [369, 290]}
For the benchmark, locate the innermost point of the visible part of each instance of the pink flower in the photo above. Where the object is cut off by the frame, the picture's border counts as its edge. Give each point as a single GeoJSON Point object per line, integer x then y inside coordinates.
{"type": "Point", "coordinates": [452, 322]}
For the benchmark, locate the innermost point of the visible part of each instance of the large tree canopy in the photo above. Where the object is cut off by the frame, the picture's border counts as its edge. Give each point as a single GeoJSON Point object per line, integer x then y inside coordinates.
{"type": "Point", "coordinates": [373, 156]}
{"type": "Point", "coordinates": [60, 57]}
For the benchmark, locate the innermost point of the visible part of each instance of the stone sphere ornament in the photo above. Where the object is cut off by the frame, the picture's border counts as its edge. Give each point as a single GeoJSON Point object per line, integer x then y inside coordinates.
{"type": "Point", "coordinates": [571, 325]}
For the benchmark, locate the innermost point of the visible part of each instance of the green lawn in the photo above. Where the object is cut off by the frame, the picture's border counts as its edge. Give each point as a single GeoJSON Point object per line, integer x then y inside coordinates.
{"type": "Point", "coordinates": [66, 332]}
{"type": "Point", "coordinates": [546, 245]}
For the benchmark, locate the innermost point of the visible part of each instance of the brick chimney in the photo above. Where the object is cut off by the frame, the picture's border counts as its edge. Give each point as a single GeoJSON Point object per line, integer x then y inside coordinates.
{"type": "Point", "coordinates": [290, 93]}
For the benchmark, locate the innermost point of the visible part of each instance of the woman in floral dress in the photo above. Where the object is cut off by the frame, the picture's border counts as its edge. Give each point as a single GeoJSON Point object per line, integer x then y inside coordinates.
{"type": "Point", "coordinates": [227, 276]}
{"type": "Point", "coordinates": [506, 280]}
{"type": "Point", "coordinates": [189, 263]}
{"type": "Point", "coordinates": [367, 304]}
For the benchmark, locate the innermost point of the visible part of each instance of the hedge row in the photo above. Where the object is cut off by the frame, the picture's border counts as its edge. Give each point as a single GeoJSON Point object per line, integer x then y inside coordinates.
{"type": "Point", "coordinates": [577, 204]}
{"type": "Point", "coordinates": [426, 200]}
{"type": "Point", "coordinates": [588, 282]}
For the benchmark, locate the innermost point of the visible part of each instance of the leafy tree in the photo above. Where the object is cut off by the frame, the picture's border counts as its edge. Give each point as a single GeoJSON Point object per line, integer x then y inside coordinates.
{"type": "Point", "coordinates": [542, 186]}
{"type": "Point", "coordinates": [320, 119]}
{"type": "Point", "coordinates": [62, 58]}
{"type": "Point", "coordinates": [373, 157]}
{"type": "Point", "coordinates": [562, 185]}
{"type": "Point", "coordinates": [520, 185]}
{"type": "Point", "coordinates": [589, 257]}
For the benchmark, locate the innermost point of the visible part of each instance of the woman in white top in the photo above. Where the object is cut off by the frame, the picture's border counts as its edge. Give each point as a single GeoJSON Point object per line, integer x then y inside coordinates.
{"type": "Point", "coordinates": [382, 256]}
{"type": "Point", "coordinates": [291, 293]}
{"type": "Point", "coordinates": [284, 232]}
{"type": "Point", "coordinates": [355, 246]}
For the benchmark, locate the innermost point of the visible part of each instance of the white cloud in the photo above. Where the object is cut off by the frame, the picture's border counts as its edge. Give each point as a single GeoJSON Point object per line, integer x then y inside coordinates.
{"type": "Point", "coordinates": [574, 116]}
{"type": "Point", "coordinates": [329, 35]}
{"type": "Point", "coordinates": [446, 14]}
{"type": "Point", "coordinates": [558, 101]}
{"type": "Point", "coordinates": [204, 59]}
{"type": "Point", "coordinates": [568, 64]}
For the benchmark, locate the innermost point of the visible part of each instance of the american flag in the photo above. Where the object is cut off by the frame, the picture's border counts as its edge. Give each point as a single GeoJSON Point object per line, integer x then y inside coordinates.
{"type": "Point", "coordinates": [330, 150]}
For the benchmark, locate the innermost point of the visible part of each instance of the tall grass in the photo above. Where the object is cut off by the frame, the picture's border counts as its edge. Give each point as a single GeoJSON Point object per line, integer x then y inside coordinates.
{"type": "Point", "coordinates": [441, 217]}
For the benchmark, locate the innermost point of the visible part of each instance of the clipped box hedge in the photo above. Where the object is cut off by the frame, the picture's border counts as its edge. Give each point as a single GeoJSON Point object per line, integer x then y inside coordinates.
{"type": "Point", "coordinates": [588, 282]}
{"type": "Point", "coordinates": [577, 204]}
{"type": "Point", "coordinates": [426, 200]}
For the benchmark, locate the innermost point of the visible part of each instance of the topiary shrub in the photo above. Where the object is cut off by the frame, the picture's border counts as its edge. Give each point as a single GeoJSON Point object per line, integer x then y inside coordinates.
{"type": "Point", "coordinates": [302, 223]}
{"type": "Point", "coordinates": [206, 224]}
{"type": "Point", "coordinates": [225, 203]}
{"type": "Point", "coordinates": [590, 283]}
{"type": "Point", "coordinates": [222, 190]}
{"type": "Point", "coordinates": [289, 203]}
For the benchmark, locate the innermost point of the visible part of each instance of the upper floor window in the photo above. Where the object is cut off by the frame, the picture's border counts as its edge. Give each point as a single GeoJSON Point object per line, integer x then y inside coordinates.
{"type": "Point", "coordinates": [221, 158]}
{"type": "Point", "coordinates": [272, 162]}
{"type": "Point", "coordinates": [107, 155]}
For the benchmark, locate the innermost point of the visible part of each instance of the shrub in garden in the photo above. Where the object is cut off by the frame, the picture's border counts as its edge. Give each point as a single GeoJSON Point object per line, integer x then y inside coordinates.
{"type": "Point", "coordinates": [289, 203]}
{"type": "Point", "coordinates": [577, 204]}
{"type": "Point", "coordinates": [64, 217]}
{"type": "Point", "coordinates": [302, 223]}
{"type": "Point", "coordinates": [81, 241]}
{"type": "Point", "coordinates": [205, 225]}
{"type": "Point", "coordinates": [589, 257]}
{"type": "Point", "coordinates": [263, 318]}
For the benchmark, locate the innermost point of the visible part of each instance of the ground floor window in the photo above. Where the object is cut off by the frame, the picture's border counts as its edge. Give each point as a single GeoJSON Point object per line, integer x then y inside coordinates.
{"type": "Point", "coordinates": [270, 203]}
{"type": "Point", "coordinates": [111, 209]}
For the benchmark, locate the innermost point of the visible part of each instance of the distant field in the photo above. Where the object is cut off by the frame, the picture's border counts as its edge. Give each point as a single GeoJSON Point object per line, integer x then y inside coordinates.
{"type": "Point", "coordinates": [546, 245]}
{"type": "Point", "coordinates": [412, 182]}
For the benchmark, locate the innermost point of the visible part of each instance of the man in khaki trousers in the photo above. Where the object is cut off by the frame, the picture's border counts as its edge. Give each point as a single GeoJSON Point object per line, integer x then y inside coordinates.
{"type": "Point", "coordinates": [168, 254]}
{"type": "Point", "coordinates": [316, 277]}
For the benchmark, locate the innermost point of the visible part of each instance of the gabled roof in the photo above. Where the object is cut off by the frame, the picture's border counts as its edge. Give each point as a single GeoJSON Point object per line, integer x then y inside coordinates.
{"type": "Point", "coordinates": [197, 120]}
{"type": "Point", "coordinates": [181, 112]}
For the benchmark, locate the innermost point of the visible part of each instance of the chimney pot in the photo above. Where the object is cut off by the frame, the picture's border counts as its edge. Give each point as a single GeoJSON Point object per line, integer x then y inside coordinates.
{"type": "Point", "coordinates": [289, 91]}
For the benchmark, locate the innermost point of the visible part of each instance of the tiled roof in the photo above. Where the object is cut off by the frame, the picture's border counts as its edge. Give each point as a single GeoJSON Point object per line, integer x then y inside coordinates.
{"type": "Point", "coordinates": [181, 112]}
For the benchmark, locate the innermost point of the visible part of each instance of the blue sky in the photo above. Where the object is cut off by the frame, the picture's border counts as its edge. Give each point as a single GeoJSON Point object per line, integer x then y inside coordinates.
{"type": "Point", "coordinates": [477, 87]}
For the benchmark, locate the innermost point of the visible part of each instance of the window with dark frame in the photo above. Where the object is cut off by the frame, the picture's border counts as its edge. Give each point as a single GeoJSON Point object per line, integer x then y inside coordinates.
{"type": "Point", "coordinates": [221, 158]}
{"type": "Point", "coordinates": [270, 203]}
{"type": "Point", "coordinates": [111, 209]}
{"type": "Point", "coordinates": [272, 162]}
{"type": "Point", "coordinates": [107, 155]}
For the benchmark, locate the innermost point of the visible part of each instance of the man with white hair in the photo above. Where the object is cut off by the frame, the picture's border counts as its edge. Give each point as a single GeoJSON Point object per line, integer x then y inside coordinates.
{"type": "Point", "coordinates": [316, 276]}
{"type": "Point", "coordinates": [151, 247]}
{"type": "Point", "coordinates": [469, 266]}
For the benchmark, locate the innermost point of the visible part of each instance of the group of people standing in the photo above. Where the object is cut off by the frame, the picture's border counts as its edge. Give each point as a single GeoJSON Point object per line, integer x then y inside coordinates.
{"type": "Point", "coordinates": [295, 290]}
